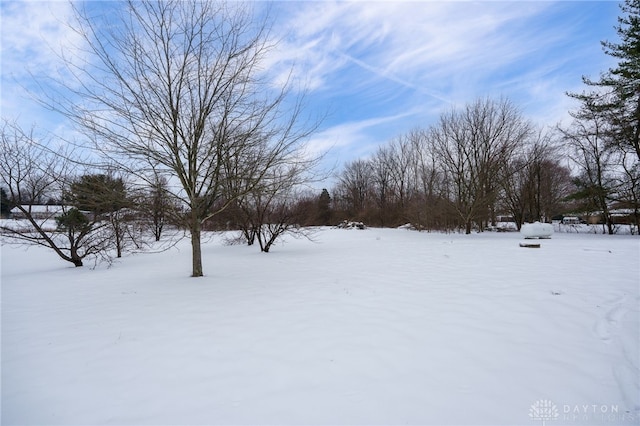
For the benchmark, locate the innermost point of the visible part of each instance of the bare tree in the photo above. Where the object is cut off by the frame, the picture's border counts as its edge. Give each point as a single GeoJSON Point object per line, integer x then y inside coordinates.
{"type": "Point", "coordinates": [176, 87]}
{"type": "Point", "coordinates": [535, 183]}
{"type": "Point", "coordinates": [381, 166]}
{"type": "Point", "coordinates": [34, 171]}
{"type": "Point", "coordinates": [354, 187]}
{"type": "Point", "coordinates": [474, 144]}
{"type": "Point", "coordinates": [271, 210]}
{"type": "Point", "coordinates": [586, 140]}
{"type": "Point", "coordinates": [629, 189]}
{"type": "Point", "coordinates": [157, 207]}
{"type": "Point", "coordinates": [430, 206]}
{"type": "Point", "coordinates": [274, 216]}
{"type": "Point", "coordinates": [402, 156]}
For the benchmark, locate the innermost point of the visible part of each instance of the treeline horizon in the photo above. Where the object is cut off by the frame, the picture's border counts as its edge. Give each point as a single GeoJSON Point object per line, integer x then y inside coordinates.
{"type": "Point", "coordinates": [184, 129]}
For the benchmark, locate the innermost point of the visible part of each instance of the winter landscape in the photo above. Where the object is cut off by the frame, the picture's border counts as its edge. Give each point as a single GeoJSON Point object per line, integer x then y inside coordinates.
{"type": "Point", "coordinates": [320, 212]}
{"type": "Point", "coordinates": [374, 326]}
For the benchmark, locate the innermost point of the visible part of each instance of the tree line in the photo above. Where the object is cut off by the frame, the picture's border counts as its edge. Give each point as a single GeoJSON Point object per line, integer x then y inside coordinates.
{"type": "Point", "coordinates": [485, 159]}
{"type": "Point", "coordinates": [180, 127]}
{"type": "Point", "coordinates": [475, 164]}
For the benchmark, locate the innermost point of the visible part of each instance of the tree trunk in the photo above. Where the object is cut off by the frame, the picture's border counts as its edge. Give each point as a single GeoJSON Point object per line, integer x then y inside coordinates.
{"type": "Point", "coordinates": [249, 233]}
{"type": "Point", "coordinates": [157, 227]}
{"type": "Point", "coordinates": [196, 249]}
{"type": "Point", "coordinates": [74, 258]}
{"type": "Point", "coordinates": [259, 236]}
{"type": "Point", "coordinates": [636, 134]}
{"type": "Point", "coordinates": [271, 240]}
{"type": "Point", "coordinates": [119, 237]}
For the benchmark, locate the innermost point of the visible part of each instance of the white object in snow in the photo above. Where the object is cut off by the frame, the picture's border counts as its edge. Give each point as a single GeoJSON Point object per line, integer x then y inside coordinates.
{"type": "Point", "coordinates": [537, 230]}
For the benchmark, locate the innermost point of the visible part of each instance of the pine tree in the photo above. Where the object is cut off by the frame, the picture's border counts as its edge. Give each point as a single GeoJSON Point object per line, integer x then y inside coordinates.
{"type": "Point", "coordinates": [5, 204]}
{"type": "Point", "coordinates": [98, 194]}
{"type": "Point", "coordinates": [616, 95]}
{"type": "Point", "coordinates": [324, 208]}
{"type": "Point", "coordinates": [106, 198]}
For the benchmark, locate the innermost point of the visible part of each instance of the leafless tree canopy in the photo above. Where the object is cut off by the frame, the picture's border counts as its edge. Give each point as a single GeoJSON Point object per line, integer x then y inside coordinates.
{"type": "Point", "coordinates": [33, 172]}
{"type": "Point", "coordinates": [475, 145]}
{"type": "Point", "coordinates": [175, 89]}
{"type": "Point", "coordinates": [586, 140]}
{"type": "Point", "coordinates": [452, 175]}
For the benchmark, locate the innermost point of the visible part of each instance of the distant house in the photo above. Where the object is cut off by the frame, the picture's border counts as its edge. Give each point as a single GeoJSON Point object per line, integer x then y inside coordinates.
{"type": "Point", "coordinates": [571, 220]}
{"type": "Point", "coordinates": [623, 216]}
{"type": "Point", "coordinates": [39, 211]}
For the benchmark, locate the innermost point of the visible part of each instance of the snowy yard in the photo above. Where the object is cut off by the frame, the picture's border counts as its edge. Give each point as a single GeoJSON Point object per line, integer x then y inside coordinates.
{"type": "Point", "coordinates": [378, 326]}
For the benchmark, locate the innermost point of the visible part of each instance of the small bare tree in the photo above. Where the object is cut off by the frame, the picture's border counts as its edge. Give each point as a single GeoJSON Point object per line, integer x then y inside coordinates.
{"type": "Point", "coordinates": [271, 210]}
{"type": "Point", "coordinates": [33, 171]}
{"type": "Point", "coordinates": [270, 216]}
{"type": "Point", "coordinates": [157, 207]}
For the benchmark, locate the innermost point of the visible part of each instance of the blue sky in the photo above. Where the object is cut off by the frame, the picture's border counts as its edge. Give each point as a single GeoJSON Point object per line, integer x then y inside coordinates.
{"type": "Point", "coordinates": [376, 69]}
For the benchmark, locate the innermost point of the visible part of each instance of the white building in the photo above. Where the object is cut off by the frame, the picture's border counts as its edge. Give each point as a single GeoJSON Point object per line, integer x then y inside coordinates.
{"type": "Point", "coordinates": [39, 211]}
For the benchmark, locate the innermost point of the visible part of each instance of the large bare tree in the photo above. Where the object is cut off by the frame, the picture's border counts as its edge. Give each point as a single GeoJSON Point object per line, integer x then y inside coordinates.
{"type": "Point", "coordinates": [354, 187]}
{"type": "Point", "coordinates": [429, 202]}
{"type": "Point", "coordinates": [474, 145]}
{"type": "Point", "coordinates": [176, 89]}
{"type": "Point", "coordinates": [586, 141]}
{"type": "Point", "coordinates": [535, 183]}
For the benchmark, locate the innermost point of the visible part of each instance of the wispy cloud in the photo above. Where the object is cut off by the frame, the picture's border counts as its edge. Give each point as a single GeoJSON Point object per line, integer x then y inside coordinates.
{"type": "Point", "coordinates": [35, 37]}
{"type": "Point", "coordinates": [377, 68]}
{"type": "Point", "coordinates": [408, 42]}
{"type": "Point", "coordinates": [355, 139]}
{"type": "Point", "coordinates": [427, 56]}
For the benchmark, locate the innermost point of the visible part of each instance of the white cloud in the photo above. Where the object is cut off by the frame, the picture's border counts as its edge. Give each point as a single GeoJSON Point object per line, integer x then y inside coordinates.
{"type": "Point", "coordinates": [427, 56]}
{"type": "Point", "coordinates": [35, 35]}
{"type": "Point", "coordinates": [354, 138]}
{"type": "Point", "coordinates": [412, 43]}
{"type": "Point", "coordinates": [383, 64]}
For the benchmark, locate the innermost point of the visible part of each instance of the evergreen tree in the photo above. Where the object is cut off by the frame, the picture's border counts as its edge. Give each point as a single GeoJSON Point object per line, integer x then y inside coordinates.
{"type": "Point", "coordinates": [324, 208]}
{"type": "Point", "coordinates": [107, 199]}
{"type": "Point", "coordinates": [73, 221]}
{"type": "Point", "coordinates": [98, 194]}
{"type": "Point", "coordinates": [5, 204]}
{"type": "Point", "coordinates": [616, 95]}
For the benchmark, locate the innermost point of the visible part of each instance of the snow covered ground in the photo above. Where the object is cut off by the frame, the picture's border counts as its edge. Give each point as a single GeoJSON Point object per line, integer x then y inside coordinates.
{"type": "Point", "coordinates": [379, 326]}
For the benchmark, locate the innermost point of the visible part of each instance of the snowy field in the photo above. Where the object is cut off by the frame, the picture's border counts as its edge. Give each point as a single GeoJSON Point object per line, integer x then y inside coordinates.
{"type": "Point", "coordinates": [368, 327]}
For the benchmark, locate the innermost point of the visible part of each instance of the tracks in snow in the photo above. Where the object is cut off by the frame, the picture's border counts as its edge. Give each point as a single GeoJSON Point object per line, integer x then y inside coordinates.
{"type": "Point", "coordinates": [620, 325]}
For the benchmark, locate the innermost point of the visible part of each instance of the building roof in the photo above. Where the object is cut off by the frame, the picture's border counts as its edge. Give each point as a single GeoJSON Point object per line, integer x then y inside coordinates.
{"type": "Point", "coordinates": [40, 209]}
